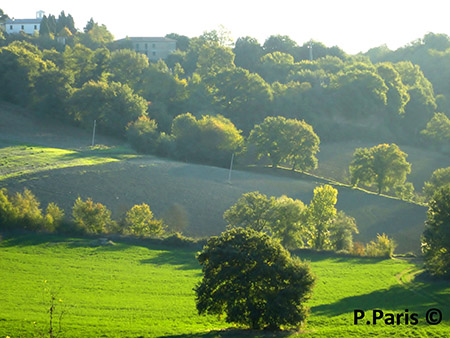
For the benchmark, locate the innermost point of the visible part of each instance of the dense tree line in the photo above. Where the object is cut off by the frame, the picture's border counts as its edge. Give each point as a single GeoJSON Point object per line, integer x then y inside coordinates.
{"type": "Point", "coordinates": [60, 70]}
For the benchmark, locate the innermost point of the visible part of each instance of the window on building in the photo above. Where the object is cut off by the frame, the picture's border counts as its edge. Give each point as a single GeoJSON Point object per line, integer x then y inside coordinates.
{"type": "Point", "coordinates": [35, 27]}
{"type": "Point", "coordinates": [153, 46]}
{"type": "Point", "coordinates": [10, 27]}
{"type": "Point", "coordinates": [137, 46]}
{"type": "Point", "coordinates": [154, 53]}
{"type": "Point", "coordinates": [23, 27]}
{"type": "Point", "coordinates": [146, 46]}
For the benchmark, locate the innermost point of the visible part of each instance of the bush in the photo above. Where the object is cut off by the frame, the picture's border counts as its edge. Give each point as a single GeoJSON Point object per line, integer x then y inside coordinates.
{"type": "Point", "coordinates": [253, 280]}
{"type": "Point", "coordinates": [143, 134]}
{"type": "Point", "coordinates": [92, 218]}
{"type": "Point", "coordinates": [26, 211]}
{"type": "Point", "coordinates": [382, 247]}
{"type": "Point", "coordinates": [139, 221]}
{"type": "Point", "coordinates": [53, 217]}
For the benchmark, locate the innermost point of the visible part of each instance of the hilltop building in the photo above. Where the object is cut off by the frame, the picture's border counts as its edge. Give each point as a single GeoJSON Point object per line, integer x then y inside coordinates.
{"type": "Point", "coordinates": [28, 26]}
{"type": "Point", "coordinates": [154, 48]}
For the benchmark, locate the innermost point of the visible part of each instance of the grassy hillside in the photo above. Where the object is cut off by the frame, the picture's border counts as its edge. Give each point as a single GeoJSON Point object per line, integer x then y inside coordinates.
{"type": "Point", "coordinates": [57, 164]}
{"type": "Point", "coordinates": [139, 290]}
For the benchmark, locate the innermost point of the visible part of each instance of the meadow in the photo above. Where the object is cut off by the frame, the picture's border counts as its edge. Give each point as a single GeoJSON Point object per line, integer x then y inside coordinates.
{"type": "Point", "coordinates": [140, 289]}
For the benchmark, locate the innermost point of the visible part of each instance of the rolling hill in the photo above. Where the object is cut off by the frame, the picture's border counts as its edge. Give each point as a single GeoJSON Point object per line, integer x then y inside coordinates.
{"type": "Point", "coordinates": [57, 164]}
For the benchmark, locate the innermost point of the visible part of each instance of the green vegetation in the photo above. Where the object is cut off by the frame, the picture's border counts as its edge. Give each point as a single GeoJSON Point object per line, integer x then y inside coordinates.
{"type": "Point", "coordinates": [384, 166]}
{"type": "Point", "coordinates": [253, 280]}
{"type": "Point", "coordinates": [286, 140]}
{"type": "Point", "coordinates": [140, 290]}
{"type": "Point", "coordinates": [436, 237]}
{"type": "Point", "coordinates": [17, 160]}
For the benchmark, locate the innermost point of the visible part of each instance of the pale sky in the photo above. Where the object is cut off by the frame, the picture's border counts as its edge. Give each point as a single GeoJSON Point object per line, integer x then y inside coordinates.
{"type": "Point", "coordinates": [353, 25]}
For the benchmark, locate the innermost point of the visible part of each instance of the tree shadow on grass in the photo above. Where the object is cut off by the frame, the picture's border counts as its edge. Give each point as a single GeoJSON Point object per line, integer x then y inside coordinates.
{"type": "Point", "coordinates": [234, 333]}
{"type": "Point", "coordinates": [398, 298]}
{"type": "Point", "coordinates": [183, 259]}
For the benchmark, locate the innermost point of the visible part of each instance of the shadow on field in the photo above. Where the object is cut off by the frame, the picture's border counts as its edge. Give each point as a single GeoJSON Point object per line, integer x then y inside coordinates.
{"type": "Point", "coordinates": [184, 259]}
{"type": "Point", "coordinates": [234, 333]}
{"type": "Point", "coordinates": [398, 298]}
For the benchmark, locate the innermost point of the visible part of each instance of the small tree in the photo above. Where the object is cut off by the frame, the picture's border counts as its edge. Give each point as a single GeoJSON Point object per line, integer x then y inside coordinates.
{"type": "Point", "coordinates": [253, 280]}
{"type": "Point", "coordinates": [94, 218]}
{"type": "Point", "coordinates": [250, 211]}
{"type": "Point", "coordinates": [321, 212]}
{"type": "Point", "coordinates": [436, 237]}
{"type": "Point", "coordinates": [383, 165]}
{"type": "Point", "coordinates": [140, 222]}
{"type": "Point", "coordinates": [341, 232]}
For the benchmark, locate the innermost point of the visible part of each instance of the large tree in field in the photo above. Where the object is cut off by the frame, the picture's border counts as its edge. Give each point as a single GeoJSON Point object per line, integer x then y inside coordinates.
{"type": "Point", "coordinates": [384, 166]}
{"type": "Point", "coordinates": [436, 237]}
{"type": "Point", "coordinates": [253, 280]}
{"type": "Point", "coordinates": [282, 139]}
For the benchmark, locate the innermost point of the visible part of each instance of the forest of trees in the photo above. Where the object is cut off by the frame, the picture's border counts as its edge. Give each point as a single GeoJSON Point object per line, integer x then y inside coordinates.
{"type": "Point", "coordinates": [213, 97]}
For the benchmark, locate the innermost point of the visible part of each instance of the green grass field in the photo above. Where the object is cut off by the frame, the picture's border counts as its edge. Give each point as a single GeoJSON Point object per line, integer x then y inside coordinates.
{"type": "Point", "coordinates": [141, 290]}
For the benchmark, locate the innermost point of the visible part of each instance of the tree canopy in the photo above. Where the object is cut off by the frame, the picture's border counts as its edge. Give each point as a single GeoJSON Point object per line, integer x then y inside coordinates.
{"type": "Point", "coordinates": [253, 280]}
{"type": "Point", "coordinates": [436, 237]}
{"type": "Point", "coordinates": [384, 166]}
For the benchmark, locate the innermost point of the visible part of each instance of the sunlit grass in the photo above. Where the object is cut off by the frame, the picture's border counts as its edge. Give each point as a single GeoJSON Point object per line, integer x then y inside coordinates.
{"type": "Point", "coordinates": [18, 160]}
{"type": "Point", "coordinates": [147, 291]}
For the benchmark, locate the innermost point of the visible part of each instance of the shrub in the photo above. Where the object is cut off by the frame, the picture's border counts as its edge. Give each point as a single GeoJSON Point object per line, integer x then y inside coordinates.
{"type": "Point", "coordinates": [139, 221]}
{"type": "Point", "coordinates": [92, 218]}
{"type": "Point", "coordinates": [382, 247]}
{"type": "Point", "coordinates": [143, 134]}
{"type": "Point", "coordinates": [53, 217]}
{"type": "Point", "coordinates": [7, 213]}
{"type": "Point", "coordinates": [26, 211]}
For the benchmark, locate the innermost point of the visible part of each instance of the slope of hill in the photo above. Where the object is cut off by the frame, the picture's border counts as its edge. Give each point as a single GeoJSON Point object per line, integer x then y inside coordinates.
{"type": "Point", "coordinates": [119, 178]}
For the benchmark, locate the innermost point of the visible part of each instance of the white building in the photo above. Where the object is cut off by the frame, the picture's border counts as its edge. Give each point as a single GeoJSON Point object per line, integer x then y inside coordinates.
{"type": "Point", "coordinates": [154, 48]}
{"type": "Point", "coordinates": [28, 26]}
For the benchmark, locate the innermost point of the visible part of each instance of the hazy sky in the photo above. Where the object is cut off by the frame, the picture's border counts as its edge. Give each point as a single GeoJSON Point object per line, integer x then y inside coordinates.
{"type": "Point", "coordinates": [353, 25]}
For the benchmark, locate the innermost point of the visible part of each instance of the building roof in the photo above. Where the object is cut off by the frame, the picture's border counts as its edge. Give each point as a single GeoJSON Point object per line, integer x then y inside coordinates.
{"type": "Point", "coordinates": [148, 39]}
{"type": "Point", "coordinates": [22, 21]}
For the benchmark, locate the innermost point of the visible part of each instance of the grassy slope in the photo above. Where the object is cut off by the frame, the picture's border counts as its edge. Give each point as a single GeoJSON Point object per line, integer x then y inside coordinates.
{"type": "Point", "coordinates": [63, 167]}
{"type": "Point", "coordinates": [137, 291]}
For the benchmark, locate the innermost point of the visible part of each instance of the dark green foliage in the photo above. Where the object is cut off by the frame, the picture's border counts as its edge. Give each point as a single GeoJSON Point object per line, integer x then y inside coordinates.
{"type": "Point", "coordinates": [143, 135]}
{"type": "Point", "coordinates": [289, 140]}
{"type": "Point", "coordinates": [212, 139]}
{"type": "Point", "coordinates": [253, 280]}
{"type": "Point", "coordinates": [438, 179]}
{"type": "Point", "coordinates": [251, 211]}
{"type": "Point", "coordinates": [436, 237]}
{"type": "Point", "coordinates": [112, 105]}
{"type": "Point", "coordinates": [438, 130]}
{"type": "Point", "coordinates": [341, 232]}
